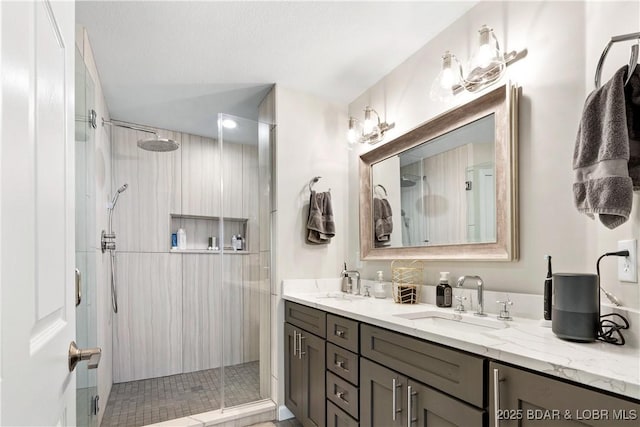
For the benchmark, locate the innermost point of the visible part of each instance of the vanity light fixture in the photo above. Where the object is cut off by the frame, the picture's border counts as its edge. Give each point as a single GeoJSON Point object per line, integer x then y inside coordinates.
{"type": "Point", "coordinates": [372, 129]}
{"type": "Point", "coordinates": [486, 66]}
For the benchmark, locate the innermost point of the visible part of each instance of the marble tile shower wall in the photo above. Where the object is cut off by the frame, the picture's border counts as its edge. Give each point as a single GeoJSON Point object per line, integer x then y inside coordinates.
{"type": "Point", "coordinates": [171, 303]}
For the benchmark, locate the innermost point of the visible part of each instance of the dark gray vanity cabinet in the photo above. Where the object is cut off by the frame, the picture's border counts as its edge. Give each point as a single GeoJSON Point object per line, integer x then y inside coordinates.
{"type": "Point", "coordinates": [528, 399]}
{"type": "Point", "coordinates": [389, 398]}
{"type": "Point", "coordinates": [382, 396]}
{"type": "Point", "coordinates": [343, 366]}
{"type": "Point", "coordinates": [305, 364]}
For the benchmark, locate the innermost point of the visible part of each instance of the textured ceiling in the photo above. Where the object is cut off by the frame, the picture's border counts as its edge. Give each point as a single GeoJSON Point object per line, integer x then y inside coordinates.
{"type": "Point", "coordinates": [176, 64]}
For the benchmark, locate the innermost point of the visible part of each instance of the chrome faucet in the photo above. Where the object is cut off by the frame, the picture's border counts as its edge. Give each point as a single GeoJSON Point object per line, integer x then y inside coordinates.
{"type": "Point", "coordinates": [347, 274]}
{"type": "Point", "coordinates": [460, 282]}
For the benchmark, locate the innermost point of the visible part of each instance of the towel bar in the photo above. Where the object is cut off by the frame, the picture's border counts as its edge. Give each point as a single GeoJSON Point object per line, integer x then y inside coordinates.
{"type": "Point", "coordinates": [633, 60]}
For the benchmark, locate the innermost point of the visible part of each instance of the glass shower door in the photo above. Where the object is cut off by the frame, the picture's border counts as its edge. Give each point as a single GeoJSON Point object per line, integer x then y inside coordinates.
{"type": "Point", "coordinates": [244, 257]}
{"type": "Point", "coordinates": [85, 225]}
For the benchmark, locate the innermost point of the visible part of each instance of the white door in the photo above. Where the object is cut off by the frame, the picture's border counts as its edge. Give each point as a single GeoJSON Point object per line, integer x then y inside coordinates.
{"type": "Point", "coordinates": [37, 312]}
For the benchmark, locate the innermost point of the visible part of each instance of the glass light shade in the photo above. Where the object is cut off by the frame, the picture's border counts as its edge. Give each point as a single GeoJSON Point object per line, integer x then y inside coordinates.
{"type": "Point", "coordinates": [369, 124]}
{"type": "Point", "coordinates": [354, 133]}
{"type": "Point", "coordinates": [487, 62]}
{"type": "Point", "coordinates": [442, 88]}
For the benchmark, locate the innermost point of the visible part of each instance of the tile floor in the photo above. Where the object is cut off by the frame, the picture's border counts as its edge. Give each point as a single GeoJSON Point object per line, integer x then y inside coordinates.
{"type": "Point", "coordinates": [153, 400]}
{"type": "Point", "coordinates": [288, 423]}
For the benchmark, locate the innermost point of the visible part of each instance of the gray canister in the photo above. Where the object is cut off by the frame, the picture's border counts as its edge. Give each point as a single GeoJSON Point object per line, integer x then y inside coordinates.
{"type": "Point", "coordinates": [575, 306]}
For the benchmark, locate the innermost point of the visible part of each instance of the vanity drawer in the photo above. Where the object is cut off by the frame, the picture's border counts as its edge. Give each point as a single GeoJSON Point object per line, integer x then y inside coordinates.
{"type": "Point", "coordinates": [307, 318]}
{"type": "Point", "coordinates": [343, 332]}
{"type": "Point", "coordinates": [343, 363]}
{"type": "Point", "coordinates": [451, 371]}
{"type": "Point", "coordinates": [336, 417]}
{"type": "Point", "coordinates": [344, 395]}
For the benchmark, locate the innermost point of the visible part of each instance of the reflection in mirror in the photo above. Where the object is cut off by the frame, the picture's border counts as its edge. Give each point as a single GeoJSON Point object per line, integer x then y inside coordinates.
{"type": "Point", "coordinates": [441, 191]}
{"type": "Point", "coordinates": [446, 190]}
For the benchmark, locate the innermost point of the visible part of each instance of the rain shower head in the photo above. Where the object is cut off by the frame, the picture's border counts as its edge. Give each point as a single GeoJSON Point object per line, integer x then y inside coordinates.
{"type": "Point", "coordinates": [150, 144]}
{"type": "Point", "coordinates": [406, 182]}
{"type": "Point", "coordinates": [158, 144]}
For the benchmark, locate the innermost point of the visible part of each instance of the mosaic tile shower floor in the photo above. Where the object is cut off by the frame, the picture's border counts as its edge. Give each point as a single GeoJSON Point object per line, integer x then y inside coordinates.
{"type": "Point", "coordinates": [154, 400]}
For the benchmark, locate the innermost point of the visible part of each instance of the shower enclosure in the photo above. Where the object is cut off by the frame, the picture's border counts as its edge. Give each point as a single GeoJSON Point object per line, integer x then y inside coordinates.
{"type": "Point", "coordinates": [85, 224]}
{"type": "Point", "coordinates": [192, 332]}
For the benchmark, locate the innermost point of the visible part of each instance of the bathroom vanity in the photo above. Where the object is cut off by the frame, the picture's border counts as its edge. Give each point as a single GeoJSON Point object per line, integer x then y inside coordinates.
{"type": "Point", "coordinates": [353, 361]}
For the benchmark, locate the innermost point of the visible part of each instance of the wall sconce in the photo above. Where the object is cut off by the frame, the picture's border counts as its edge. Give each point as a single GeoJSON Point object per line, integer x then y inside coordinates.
{"type": "Point", "coordinates": [371, 131]}
{"type": "Point", "coordinates": [486, 66]}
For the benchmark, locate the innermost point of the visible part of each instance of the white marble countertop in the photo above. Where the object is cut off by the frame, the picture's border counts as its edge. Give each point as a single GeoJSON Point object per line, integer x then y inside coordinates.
{"type": "Point", "coordinates": [523, 342]}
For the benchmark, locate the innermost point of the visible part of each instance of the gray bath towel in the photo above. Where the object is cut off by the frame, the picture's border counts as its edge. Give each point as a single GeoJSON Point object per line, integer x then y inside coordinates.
{"type": "Point", "coordinates": [320, 225]}
{"type": "Point", "coordinates": [606, 159]}
{"type": "Point", "coordinates": [382, 220]}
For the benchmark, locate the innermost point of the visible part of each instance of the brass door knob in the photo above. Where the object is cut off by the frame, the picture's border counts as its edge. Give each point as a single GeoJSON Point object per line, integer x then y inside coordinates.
{"type": "Point", "coordinates": [76, 355]}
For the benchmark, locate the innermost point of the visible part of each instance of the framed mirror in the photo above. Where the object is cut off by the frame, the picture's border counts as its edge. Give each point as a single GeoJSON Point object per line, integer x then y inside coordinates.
{"type": "Point", "coordinates": [446, 190]}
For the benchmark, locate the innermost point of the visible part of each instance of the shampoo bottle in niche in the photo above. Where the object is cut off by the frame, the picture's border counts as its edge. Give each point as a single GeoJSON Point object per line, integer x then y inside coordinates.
{"type": "Point", "coordinates": [182, 239]}
{"type": "Point", "coordinates": [443, 290]}
{"type": "Point", "coordinates": [234, 242]}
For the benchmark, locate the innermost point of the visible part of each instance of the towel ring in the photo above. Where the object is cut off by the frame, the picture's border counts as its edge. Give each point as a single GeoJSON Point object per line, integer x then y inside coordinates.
{"type": "Point", "coordinates": [313, 181]}
{"type": "Point", "coordinates": [383, 189]}
{"type": "Point", "coordinates": [633, 60]}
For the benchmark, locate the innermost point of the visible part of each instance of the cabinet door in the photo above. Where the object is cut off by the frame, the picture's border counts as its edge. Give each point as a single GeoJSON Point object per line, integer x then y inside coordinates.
{"type": "Point", "coordinates": [528, 399]}
{"type": "Point", "coordinates": [428, 407]}
{"type": "Point", "coordinates": [313, 378]}
{"type": "Point", "coordinates": [377, 396]}
{"type": "Point", "coordinates": [293, 395]}
{"type": "Point", "coordinates": [336, 417]}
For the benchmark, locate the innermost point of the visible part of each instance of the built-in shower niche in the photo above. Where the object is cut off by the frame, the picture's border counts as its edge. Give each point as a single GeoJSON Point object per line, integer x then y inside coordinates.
{"type": "Point", "coordinates": [200, 228]}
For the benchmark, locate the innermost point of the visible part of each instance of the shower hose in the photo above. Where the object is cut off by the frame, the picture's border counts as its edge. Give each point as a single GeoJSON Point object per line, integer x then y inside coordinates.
{"type": "Point", "coordinates": [114, 294]}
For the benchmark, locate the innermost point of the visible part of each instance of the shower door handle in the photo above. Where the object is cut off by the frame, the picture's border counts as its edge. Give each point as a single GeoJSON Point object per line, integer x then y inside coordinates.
{"type": "Point", "coordinates": [78, 287]}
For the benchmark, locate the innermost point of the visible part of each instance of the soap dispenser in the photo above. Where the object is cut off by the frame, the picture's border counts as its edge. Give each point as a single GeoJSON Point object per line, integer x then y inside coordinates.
{"type": "Point", "coordinates": [378, 290]}
{"type": "Point", "coordinates": [345, 280]}
{"type": "Point", "coordinates": [443, 290]}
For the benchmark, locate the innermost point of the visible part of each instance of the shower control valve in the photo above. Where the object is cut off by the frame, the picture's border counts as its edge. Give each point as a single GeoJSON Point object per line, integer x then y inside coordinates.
{"type": "Point", "coordinates": [107, 241]}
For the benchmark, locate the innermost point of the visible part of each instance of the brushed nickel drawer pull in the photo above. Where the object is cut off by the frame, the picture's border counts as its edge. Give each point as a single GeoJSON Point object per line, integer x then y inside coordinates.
{"type": "Point", "coordinates": [339, 333]}
{"type": "Point", "coordinates": [300, 352]}
{"type": "Point", "coordinates": [295, 343]}
{"type": "Point", "coordinates": [394, 386]}
{"type": "Point", "coordinates": [340, 395]}
{"type": "Point", "coordinates": [496, 397]}
{"type": "Point", "coordinates": [340, 364]}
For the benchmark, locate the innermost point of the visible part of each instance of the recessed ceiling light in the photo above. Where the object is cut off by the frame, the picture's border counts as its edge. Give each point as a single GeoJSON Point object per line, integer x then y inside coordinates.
{"type": "Point", "coordinates": [229, 124]}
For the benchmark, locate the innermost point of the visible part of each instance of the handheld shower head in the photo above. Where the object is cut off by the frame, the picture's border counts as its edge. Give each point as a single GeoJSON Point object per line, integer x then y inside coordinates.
{"type": "Point", "coordinates": [115, 196]}
{"type": "Point", "coordinates": [112, 205]}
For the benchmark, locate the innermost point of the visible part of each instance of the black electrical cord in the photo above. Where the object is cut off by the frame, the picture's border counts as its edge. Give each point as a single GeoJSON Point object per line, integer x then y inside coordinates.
{"type": "Point", "coordinates": [608, 330]}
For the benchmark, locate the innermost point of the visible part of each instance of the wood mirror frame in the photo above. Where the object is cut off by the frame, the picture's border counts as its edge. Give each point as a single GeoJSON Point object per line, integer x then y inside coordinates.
{"type": "Point", "coordinates": [503, 102]}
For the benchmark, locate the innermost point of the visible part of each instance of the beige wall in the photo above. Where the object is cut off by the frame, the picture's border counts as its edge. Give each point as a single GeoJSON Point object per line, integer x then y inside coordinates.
{"type": "Point", "coordinates": [564, 40]}
{"type": "Point", "coordinates": [310, 137]}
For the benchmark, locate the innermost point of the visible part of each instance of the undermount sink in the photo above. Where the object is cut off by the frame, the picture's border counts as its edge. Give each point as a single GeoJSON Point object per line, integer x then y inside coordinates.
{"type": "Point", "coordinates": [465, 322]}
{"type": "Point", "coordinates": [341, 296]}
